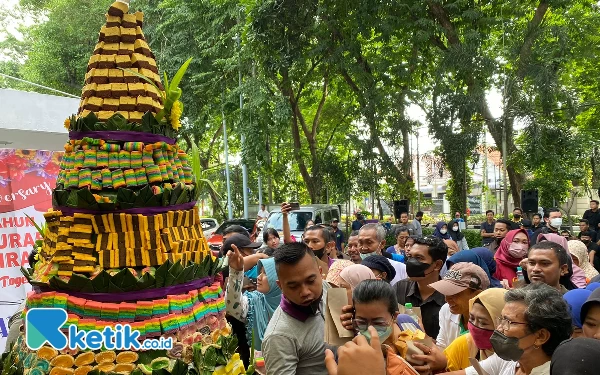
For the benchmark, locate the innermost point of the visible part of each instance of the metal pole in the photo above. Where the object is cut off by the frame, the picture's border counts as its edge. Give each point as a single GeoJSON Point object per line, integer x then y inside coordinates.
{"type": "Point", "coordinates": [504, 156]}
{"type": "Point", "coordinates": [418, 174]}
{"type": "Point", "coordinates": [244, 167]}
{"type": "Point", "coordinates": [260, 194]}
{"type": "Point", "coordinates": [225, 145]}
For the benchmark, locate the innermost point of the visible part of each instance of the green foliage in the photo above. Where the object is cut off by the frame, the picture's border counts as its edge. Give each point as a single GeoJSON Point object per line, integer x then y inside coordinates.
{"type": "Point", "coordinates": [473, 237]}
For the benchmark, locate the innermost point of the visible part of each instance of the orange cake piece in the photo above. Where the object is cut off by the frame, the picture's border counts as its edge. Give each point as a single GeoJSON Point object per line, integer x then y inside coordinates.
{"type": "Point", "coordinates": [115, 76]}
{"type": "Point", "coordinates": [118, 90]}
{"type": "Point", "coordinates": [125, 48]}
{"type": "Point", "coordinates": [118, 9]}
{"type": "Point", "coordinates": [127, 103]}
{"type": "Point", "coordinates": [112, 21]}
{"type": "Point", "coordinates": [129, 21]}
{"type": "Point", "coordinates": [106, 61]}
{"type": "Point", "coordinates": [129, 76]}
{"type": "Point", "coordinates": [123, 61]}
{"type": "Point", "coordinates": [110, 104]}
{"type": "Point", "coordinates": [127, 35]}
{"type": "Point", "coordinates": [103, 90]}
{"type": "Point", "coordinates": [110, 48]}
{"type": "Point", "coordinates": [112, 34]}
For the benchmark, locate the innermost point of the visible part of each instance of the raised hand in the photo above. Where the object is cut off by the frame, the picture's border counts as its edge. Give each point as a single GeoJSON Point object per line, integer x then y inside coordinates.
{"type": "Point", "coordinates": [357, 357]}
{"type": "Point", "coordinates": [236, 259]}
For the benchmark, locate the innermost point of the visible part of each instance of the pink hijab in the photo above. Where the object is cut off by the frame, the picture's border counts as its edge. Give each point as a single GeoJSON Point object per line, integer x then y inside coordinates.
{"type": "Point", "coordinates": [578, 277]}
{"type": "Point", "coordinates": [356, 273]}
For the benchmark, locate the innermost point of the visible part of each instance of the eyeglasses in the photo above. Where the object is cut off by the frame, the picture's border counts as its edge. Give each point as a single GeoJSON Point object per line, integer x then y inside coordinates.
{"type": "Point", "coordinates": [363, 324]}
{"type": "Point", "coordinates": [505, 323]}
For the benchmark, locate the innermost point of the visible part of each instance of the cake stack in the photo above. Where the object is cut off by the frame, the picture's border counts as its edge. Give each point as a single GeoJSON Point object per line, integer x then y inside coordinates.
{"type": "Point", "coordinates": [123, 243]}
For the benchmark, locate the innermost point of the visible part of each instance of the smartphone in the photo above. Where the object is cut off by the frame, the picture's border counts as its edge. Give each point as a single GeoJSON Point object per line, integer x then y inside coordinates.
{"type": "Point", "coordinates": [248, 283]}
{"type": "Point", "coordinates": [294, 206]}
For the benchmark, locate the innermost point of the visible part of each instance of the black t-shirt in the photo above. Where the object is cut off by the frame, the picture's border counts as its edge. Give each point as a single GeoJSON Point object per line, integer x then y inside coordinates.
{"type": "Point", "coordinates": [593, 218]}
{"type": "Point", "coordinates": [407, 291]}
{"type": "Point", "coordinates": [489, 228]}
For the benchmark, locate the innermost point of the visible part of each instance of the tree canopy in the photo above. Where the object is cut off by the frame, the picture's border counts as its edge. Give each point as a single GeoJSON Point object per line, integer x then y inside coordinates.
{"type": "Point", "coordinates": [325, 86]}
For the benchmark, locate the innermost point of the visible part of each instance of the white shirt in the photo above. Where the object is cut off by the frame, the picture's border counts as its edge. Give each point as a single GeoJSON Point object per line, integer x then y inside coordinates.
{"type": "Point", "coordinates": [449, 327]}
{"type": "Point", "coordinates": [400, 271]}
{"type": "Point", "coordinates": [263, 213]}
{"type": "Point", "coordinates": [495, 365]}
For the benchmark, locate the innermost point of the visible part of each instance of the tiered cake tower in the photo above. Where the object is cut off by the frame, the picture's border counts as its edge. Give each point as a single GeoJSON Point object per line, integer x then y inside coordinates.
{"type": "Point", "coordinates": [123, 242]}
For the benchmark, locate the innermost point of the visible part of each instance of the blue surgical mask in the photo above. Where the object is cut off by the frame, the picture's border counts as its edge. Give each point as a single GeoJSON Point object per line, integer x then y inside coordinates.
{"type": "Point", "coordinates": [382, 332]}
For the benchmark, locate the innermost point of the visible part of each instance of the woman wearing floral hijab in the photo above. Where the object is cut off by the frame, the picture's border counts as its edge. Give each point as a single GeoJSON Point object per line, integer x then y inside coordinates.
{"type": "Point", "coordinates": [580, 257]}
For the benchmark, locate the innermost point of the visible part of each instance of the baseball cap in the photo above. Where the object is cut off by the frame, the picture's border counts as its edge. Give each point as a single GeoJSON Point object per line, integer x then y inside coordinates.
{"type": "Point", "coordinates": [240, 241]}
{"type": "Point", "coordinates": [461, 276]}
{"type": "Point", "coordinates": [335, 220]}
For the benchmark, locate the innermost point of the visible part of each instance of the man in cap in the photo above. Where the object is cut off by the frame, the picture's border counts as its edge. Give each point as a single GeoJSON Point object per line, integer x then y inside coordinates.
{"type": "Point", "coordinates": [462, 282]}
{"type": "Point", "coordinates": [247, 249]}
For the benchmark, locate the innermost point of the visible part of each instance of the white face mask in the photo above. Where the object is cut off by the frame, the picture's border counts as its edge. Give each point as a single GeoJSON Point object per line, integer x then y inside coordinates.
{"type": "Point", "coordinates": [455, 229]}
{"type": "Point", "coordinates": [443, 231]}
{"type": "Point", "coordinates": [556, 222]}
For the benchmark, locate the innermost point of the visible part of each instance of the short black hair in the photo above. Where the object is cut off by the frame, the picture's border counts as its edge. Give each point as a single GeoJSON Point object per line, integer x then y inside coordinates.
{"type": "Point", "coordinates": [372, 290]}
{"type": "Point", "coordinates": [236, 229]}
{"type": "Point", "coordinates": [419, 213]}
{"type": "Point", "coordinates": [584, 221]}
{"type": "Point", "coordinates": [438, 250]}
{"type": "Point", "coordinates": [326, 232]}
{"type": "Point", "coordinates": [538, 215]}
{"type": "Point", "coordinates": [551, 209]}
{"type": "Point", "coordinates": [270, 231]}
{"type": "Point", "coordinates": [561, 252]}
{"type": "Point", "coordinates": [595, 201]}
{"type": "Point", "coordinates": [517, 208]}
{"type": "Point", "coordinates": [505, 222]}
{"type": "Point", "coordinates": [291, 254]}
{"type": "Point", "coordinates": [488, 211]}
{"type": "Point", "coordinates": [585, 233]}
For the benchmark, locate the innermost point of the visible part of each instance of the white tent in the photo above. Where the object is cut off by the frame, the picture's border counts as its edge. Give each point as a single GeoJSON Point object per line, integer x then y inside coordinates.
{"type": "Point", "coordinates": [33, 121]}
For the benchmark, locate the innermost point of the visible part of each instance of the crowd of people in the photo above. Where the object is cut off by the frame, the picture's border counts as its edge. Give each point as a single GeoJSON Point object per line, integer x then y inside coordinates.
{"type": "Point", "coordinates": [525, 302]}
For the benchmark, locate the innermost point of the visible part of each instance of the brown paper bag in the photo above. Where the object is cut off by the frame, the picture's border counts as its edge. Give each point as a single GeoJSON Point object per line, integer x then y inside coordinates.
{"type": "Point", "coordinates": [335, 333]}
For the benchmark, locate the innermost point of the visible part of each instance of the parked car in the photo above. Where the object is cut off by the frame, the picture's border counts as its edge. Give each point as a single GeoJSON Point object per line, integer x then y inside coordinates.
{"type": "Point", "coordinates": [209, 226]}
{"type": "Point", "coordinates": [216, 240]}
{"type": "Point", "coordinates": [320, 214]}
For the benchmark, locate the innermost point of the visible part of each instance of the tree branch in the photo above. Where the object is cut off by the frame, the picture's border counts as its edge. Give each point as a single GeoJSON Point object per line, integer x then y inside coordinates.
{"type": "Point", "coordinates": [440, 14]}
{"type": "Point", "coordinates": [316, 119]}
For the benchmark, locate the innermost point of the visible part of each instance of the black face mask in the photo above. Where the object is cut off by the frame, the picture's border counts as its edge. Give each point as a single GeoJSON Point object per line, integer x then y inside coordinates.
{"type": "Point", "coordinates": [517, 216]}
{"type": "Point", "coordinates": [319, 253]}
{"type": "Point", "coordinates": [506, 347]}
{"type": "Point", "coordinates": [414, 268]}
{"type": "Point", "coordinates": [586, 241]}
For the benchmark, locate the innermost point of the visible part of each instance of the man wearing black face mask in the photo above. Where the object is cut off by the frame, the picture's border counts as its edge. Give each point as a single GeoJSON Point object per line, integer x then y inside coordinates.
{"type": "Point", "coordinates": [322, 242]}
{"type": "Point", "coordinates": [424, 261]}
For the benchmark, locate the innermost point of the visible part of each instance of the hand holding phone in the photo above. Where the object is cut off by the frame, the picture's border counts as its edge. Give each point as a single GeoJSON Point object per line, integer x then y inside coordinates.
{"type": "Point", "coordinates": [294, 206]}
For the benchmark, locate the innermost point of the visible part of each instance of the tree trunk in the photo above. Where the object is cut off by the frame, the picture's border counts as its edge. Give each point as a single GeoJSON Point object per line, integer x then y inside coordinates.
{"type": "Point", "coordinates": [407, 157]}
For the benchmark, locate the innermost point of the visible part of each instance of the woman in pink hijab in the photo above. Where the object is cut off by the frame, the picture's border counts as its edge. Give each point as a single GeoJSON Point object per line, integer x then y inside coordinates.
{"type": "Point", "coordinates": [351, 276]}
{"type": "Point", "coordinates": [578, 277]}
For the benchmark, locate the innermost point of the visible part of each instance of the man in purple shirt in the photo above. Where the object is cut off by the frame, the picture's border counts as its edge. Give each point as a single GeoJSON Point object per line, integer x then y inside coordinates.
{"type": "Point", "coordinates": [293, 343]}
